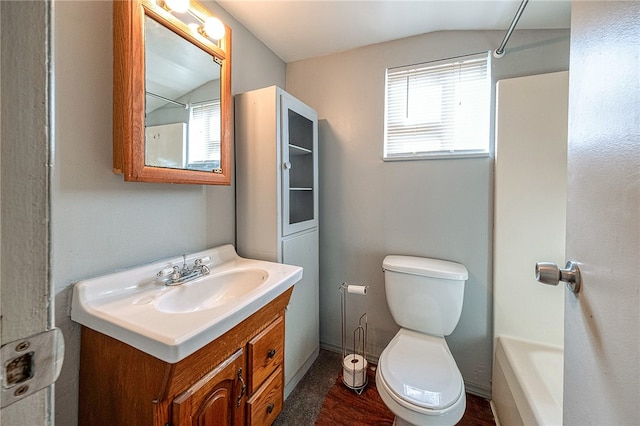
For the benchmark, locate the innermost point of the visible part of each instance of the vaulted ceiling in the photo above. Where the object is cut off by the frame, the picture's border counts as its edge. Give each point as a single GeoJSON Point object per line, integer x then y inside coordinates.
{"type": "Point", "coordinates": [300, 29]}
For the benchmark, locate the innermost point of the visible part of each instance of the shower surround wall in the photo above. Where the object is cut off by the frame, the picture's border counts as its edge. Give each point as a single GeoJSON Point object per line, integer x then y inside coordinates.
{"type": "Point", "coordinates": [530, 214]}
{"type": "Point", "coordinates": [100, 223]}
{"type": "Point", "coordinates": [530, 205]}
{"type": "Point", "coordinates": [436, 208]}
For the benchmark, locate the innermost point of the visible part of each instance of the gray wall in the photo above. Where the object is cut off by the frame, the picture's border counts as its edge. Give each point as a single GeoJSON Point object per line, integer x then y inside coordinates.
{"type": "Point", "coordinates": [433, 208]}
{"type": "Point", "coordinates": [100, 223]}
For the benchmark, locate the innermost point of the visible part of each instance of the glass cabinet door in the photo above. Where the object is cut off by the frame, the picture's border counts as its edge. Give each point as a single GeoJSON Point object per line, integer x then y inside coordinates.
{"type": "Point", "coordinates": [300, 166]}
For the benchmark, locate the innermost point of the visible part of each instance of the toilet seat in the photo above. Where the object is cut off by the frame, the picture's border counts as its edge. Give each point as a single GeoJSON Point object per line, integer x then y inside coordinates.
{"type": "Point", "coordinates": [420, 373]}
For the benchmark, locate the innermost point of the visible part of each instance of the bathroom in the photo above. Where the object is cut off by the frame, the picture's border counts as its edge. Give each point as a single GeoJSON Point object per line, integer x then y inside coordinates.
{"type": "Point", "coordinates": [100, 223]}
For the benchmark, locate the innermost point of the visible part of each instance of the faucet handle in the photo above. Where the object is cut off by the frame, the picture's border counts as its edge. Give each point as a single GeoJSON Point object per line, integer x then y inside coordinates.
{"type": "Point", "coordinates": [165, 272]}
{"type": "Point", "coordinates": [202, 260]}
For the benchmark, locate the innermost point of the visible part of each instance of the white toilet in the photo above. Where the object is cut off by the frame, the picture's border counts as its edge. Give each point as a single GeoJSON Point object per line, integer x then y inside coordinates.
{"type": "Point", "coordinates": [417, 377]}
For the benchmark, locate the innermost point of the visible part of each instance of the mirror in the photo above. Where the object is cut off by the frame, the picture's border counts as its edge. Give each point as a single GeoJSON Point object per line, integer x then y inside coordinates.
{"type": "Point", "coordinates": [172, 95]}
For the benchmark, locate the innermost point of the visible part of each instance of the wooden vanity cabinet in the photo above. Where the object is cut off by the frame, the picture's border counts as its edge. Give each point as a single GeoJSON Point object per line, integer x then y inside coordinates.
{"type": "Point", "coordinates": [236, 379]}
{"type": "Point", "coordinates": [216, 399]}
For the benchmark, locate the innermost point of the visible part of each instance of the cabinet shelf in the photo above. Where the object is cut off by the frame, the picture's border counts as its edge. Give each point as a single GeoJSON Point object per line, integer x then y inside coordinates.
{"type": "Point", "coordinates": [298, 150]}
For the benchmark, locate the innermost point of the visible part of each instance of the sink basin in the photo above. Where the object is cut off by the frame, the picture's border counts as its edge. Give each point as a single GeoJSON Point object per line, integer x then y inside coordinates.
{"type": "Point", "coordinates": [223, 288]}
{"type": "Point", "coordinates": [172, 322]}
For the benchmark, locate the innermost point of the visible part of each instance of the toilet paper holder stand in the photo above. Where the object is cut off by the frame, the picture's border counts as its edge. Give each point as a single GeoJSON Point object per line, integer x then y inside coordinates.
{"type": "Point", "coordinates": [354, 364]}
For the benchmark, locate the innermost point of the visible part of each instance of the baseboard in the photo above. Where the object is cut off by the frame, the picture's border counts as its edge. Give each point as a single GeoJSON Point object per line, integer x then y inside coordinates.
{"type": "Point", "coordinates": [372, 359]}
{"type": "Point", "coordinates": [330, 347]}
{"type": "Point", "coordinates": [477, 390]}
{"type": "Point", "coordinates": [289, 387]}
{"type": "Point", "coordinates": [493, 411]}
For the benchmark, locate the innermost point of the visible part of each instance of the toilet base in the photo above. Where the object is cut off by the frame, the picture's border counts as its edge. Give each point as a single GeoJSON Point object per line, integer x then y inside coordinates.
{"type": "Point", "coordinates": [397, 421]}
{"type": "Point", "coordinates": [448, 417]}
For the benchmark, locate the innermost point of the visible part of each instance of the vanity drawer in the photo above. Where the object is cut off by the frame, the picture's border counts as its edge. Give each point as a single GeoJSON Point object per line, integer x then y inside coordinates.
{"type": "Point", "coordinates": [266, 353]}
{"type": "Point", "coordinates": [266, 404]}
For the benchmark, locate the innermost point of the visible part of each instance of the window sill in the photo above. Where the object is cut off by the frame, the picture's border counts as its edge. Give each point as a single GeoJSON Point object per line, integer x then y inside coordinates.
{"type": "Point", "coordinates": [444, 156]}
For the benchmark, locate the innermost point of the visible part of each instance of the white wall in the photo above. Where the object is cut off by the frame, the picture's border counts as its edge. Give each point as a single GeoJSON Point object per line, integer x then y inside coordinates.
{"type": "Point", "coordinates": [530, 205]}
{"type": "Point", "coordinates": [99, 222]}
{"type": "Point", "coordinates": [436, 208]}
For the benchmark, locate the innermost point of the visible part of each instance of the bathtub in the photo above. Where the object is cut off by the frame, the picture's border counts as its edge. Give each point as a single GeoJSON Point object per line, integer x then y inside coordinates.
{"type": "Point", "coordinates": [527, 383]}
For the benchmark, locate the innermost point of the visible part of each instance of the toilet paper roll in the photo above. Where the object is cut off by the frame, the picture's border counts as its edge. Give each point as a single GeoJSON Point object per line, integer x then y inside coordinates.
{"type": "Point", "coordinates": [357, 289]}
{"type": "Point", "coordinates": [354, 370]}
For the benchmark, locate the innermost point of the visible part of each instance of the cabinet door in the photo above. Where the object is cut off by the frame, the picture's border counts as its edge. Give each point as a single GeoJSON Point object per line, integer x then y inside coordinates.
{"type": "Point", "coordinates": [302, 335]}
{"type": "Point", "coordinates": [215, 400]}
{"type": "Point", "coordinates": [300, 165]}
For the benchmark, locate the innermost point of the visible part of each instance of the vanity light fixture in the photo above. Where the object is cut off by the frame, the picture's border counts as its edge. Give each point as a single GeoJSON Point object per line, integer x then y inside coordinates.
{"type": "Point", "coordinates": [207, 26]}
{"type": "Point", "coordinates": [213, 28]}
{"type": "Point", "coordinates": [180, 6]}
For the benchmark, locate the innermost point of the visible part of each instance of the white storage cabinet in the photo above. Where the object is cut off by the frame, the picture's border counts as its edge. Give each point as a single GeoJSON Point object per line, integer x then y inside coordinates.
{"type": "Point", "coordinates": [277, 206]}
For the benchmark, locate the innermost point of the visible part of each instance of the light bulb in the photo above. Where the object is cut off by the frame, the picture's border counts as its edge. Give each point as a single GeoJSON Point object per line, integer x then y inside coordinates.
{"type": "Point", "coordinates": [214, 28]}
{"type": "Point", "coordinates": [179, 6]}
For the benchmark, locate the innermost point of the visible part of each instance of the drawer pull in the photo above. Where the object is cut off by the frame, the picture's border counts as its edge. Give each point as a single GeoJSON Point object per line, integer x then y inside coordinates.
{"type": "Point", "coordinates": [270, 408]}
{"type": "Point", "coordinates": [271, 353]}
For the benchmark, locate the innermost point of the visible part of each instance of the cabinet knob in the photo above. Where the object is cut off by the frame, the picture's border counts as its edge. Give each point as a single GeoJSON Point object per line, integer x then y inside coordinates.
{"type": "Point", "coordinates": [270, 408]}
{"type": "Point", "coordinates": [271, 353]}
{"type": "Point", "coordinates": [286, 165]}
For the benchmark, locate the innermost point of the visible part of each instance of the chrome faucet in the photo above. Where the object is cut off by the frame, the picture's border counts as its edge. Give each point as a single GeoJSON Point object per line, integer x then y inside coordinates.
{"type": "Point", "coordinates": [176, 275]}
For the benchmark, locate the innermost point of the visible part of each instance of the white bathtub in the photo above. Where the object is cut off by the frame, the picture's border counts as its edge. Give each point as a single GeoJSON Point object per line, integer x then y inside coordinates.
{"type": "Point", "coordinates": [527, 383]}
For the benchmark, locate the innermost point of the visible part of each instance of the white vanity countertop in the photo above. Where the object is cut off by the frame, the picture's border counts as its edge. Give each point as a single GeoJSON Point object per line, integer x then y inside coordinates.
{"type": "Point", "coordinates": [172, 322]}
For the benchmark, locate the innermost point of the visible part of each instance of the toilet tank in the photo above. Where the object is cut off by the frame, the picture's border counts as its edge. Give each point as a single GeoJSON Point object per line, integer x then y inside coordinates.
{"type": "Point", "coordinates": [424, 294]}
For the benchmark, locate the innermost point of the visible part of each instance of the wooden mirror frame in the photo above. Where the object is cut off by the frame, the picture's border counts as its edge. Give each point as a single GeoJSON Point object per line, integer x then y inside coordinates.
{"type": "Point", "coordinates": [129, 93]}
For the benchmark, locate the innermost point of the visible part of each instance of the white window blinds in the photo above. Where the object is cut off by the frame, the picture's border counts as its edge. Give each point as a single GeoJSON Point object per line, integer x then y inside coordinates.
{"type": "Point", "coordinates": [204, 133]}
{"type": "Point", "coordinates": [438, 109]}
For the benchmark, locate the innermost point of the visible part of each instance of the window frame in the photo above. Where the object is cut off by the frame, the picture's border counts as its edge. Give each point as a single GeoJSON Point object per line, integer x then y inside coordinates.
{"type": "Point", "coordinates": [482, 149]}
{"type": "Point", "coordinates": [215, 144]}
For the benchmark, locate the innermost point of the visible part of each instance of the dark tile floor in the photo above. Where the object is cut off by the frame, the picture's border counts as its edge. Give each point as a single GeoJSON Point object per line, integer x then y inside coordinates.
{"type": "Point", "coordinates": [303, 405]}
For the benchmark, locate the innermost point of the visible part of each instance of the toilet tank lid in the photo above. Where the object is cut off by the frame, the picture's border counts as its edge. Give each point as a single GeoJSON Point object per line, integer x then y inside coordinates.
{"type": "Point", "coordinates": [435, 268]}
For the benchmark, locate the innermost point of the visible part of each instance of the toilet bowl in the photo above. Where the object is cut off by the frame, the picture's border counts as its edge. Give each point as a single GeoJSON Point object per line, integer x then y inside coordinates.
{"type": "Point", "coordinates": [419, 381]}
{"type": "Point", "coordinates": [417, 377]}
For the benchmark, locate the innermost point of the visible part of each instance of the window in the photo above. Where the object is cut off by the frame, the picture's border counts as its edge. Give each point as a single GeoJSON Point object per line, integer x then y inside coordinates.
{"type": "Point", "coordinates": [438, 109]}
{"type": "Point", "coordinates": [204, 135]}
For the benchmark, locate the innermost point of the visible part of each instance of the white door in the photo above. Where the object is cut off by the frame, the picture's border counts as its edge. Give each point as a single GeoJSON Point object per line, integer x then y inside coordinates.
{"type": "Point", "coordinates": [602, 322]}
{"type": "Point", "coordinates": [24, 264]}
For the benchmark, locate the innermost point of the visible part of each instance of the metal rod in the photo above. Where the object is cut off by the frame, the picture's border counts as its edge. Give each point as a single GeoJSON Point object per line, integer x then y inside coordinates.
{"type": "Point", "coordinates": [499, 52]}
{"type": "Point", "coordinates": [185, 106]}
{"type": "Point", "coordinates": [343, 315]}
